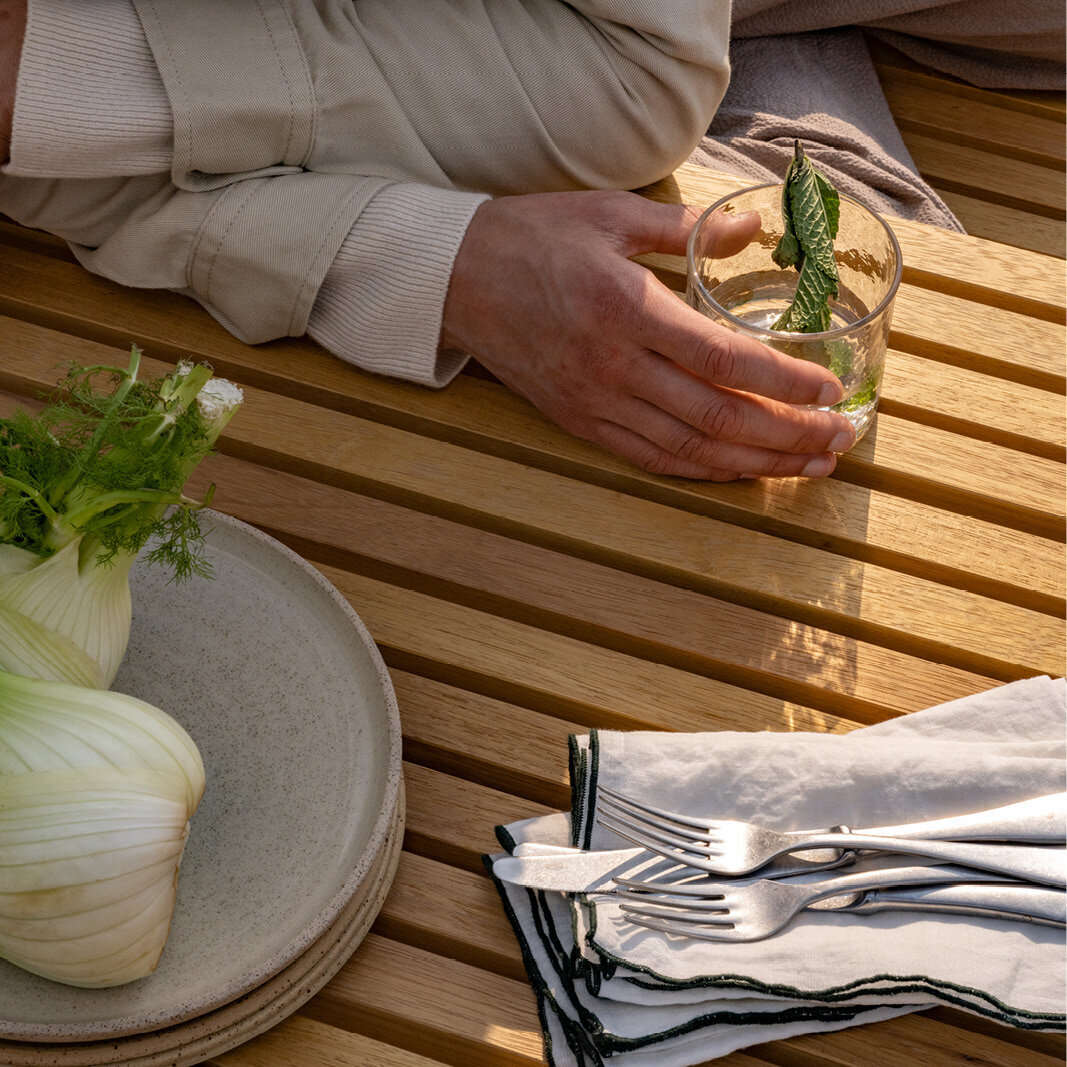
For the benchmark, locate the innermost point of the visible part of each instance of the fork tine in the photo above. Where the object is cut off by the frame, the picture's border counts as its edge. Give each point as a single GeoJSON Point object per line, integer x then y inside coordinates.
{"type": "Point", "coordinates": [636, 901]}
{"type": "Point", "coordinates": [690, 859]}
{"type": "Point", "coordinates": [644, 835]}
{"type": "Point", "coordinates": [672, 926]}
{"type": "Point", "coordinates": [665, 820]}
{"type": "Point", "coordinates": [690, 918]}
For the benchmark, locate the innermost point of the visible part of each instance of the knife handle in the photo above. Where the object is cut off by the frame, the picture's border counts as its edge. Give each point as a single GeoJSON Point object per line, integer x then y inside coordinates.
{"type": "Point", "coordinates": [1047, 907]}
{"type": "Point", "coordinates": [1039, 819]}
{"type": "Point", "coordinates": [1029, 863]}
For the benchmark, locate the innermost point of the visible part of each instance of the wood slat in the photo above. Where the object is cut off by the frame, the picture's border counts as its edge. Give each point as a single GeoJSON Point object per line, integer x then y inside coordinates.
{"type": "Point", "coordinates": [445, 727]}
{"type": "Point", "coordinates": [452, 820]}
{"type": "Point", "coordinates": [1009, 225]}
{"type": "Point", "coordinates": [299, 1041]}
{"type": "Point", "coordinates": [450, 912]}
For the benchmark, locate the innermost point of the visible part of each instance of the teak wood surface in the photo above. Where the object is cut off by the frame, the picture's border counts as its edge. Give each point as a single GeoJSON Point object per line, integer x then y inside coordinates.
{"type": "Point", "coordinates": [523, 586]}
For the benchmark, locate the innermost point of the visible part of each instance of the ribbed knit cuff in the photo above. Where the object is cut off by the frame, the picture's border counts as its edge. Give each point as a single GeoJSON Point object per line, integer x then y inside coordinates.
{"type": "Point", "coordinates": [381, 302]}
{"type": "Point", "coordinates": [89, 102]}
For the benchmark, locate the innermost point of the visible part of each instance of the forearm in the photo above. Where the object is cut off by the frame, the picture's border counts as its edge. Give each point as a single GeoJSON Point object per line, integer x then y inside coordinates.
{"type": "Point", "coordinates": [12, 30]}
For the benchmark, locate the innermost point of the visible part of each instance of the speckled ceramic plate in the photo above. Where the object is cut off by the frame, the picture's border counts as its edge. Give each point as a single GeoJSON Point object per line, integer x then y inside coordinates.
{"type": "Point", "coordinates": [284, 691]}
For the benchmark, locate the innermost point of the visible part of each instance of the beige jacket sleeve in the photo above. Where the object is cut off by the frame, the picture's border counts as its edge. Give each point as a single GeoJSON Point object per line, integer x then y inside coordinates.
{"type": "Point", "coordinates": [293, 120]}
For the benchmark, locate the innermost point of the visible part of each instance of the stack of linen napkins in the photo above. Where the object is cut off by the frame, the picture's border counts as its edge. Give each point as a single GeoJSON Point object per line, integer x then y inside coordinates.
{"type": "Point", "coordinates": [607, 988]}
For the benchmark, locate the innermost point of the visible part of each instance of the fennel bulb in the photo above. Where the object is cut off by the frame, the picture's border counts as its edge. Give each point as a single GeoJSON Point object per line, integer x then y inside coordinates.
{"type": "Point", "coordinates": [84, 484]}
{"type": "Point", "coordinates": [96, 792]}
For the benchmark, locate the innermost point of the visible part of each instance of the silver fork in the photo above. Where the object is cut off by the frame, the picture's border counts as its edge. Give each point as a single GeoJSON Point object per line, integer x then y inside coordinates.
{"type": "Point", "coordinates": [729, 847]}
{"type": "Point", "coordinates": [725, 912]}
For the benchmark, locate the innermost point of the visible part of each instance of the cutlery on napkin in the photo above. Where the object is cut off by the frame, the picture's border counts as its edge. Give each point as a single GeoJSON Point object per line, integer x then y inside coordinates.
{"type": "Point", "coordinates": [608, 988]}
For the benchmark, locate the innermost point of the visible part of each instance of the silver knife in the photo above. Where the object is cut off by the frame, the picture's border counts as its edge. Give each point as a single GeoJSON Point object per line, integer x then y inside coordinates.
{"type": "Point", "coordinates": [571, 870]}
{"type": "Point", "coordinates": [574, 870]}
{"type": "Point", "coordinates": [578, 871]}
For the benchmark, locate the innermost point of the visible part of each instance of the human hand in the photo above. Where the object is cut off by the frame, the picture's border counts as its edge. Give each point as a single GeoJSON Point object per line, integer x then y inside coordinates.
{"type": "Point", "coordinates": [544, 294]}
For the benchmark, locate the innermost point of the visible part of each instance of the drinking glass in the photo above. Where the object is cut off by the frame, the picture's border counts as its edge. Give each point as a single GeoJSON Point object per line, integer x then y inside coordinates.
{"type": "Point", "coordinates": [746, 291]}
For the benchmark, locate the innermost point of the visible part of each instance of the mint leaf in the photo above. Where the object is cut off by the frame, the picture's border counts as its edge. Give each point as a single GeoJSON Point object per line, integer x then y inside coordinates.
{"type": "Point", "coordinates": [810, 216]}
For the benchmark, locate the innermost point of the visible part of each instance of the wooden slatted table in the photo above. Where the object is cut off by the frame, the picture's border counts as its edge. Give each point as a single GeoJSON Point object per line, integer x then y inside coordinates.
{"type": "Point", "coordinates": [523, 585]}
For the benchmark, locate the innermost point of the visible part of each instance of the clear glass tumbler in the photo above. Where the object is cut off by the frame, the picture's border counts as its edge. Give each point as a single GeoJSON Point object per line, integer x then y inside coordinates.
{"type": "Point", "coordinates": [746, 291]}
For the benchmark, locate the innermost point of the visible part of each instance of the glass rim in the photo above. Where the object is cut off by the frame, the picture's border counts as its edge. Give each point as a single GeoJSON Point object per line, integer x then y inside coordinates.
{"type": "Point", "coordinates": [838, 331]}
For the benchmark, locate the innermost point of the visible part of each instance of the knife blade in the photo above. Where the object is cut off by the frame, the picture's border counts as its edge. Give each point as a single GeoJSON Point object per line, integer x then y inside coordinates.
{"type": "Point", "coordinates": [574, 870]}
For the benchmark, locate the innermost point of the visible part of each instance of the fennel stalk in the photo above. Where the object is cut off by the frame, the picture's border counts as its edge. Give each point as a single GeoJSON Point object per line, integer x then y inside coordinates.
{"type": "Point", "coordinates": [84, 484]}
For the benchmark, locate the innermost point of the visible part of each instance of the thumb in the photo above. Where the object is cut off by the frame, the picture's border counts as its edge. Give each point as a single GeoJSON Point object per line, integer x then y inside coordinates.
{"type": "Point", "coordinates": [653, 227]}
{"type": "Point", "coordinates": [666, 228]}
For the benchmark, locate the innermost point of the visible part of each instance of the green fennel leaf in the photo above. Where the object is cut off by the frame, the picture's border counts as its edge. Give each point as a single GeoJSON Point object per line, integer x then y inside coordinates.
{"type": "Point", "coordinates": [104, 459]}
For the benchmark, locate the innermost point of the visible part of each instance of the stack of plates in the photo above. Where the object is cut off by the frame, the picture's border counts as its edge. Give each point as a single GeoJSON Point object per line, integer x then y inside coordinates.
{"type": "Point", "coordinates": [296, 841]}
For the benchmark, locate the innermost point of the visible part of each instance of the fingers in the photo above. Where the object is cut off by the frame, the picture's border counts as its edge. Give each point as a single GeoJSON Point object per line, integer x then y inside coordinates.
{"type": "Point", "coordinates": [693, 446]}
{"type": "Point", "coordinates": [682, 452]}
{"type": "Point", "coordinates": [726, 235]}
{"type": "Point", "coordinates": [717, 354]}
{"type": "Point", "coordinates": [726, 415]}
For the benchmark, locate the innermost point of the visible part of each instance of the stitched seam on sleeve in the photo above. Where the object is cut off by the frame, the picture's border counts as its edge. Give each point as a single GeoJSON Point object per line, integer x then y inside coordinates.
{"type": "Point", "coordinates": [308, 84]}
{"type": "Point", "coordinates": [219, 241]}
{"type": "Point", "coordinates": [285, 76]}
{"type": "Point", "coordinates": [340, 218]}
{"type": "Point", "coordinates": [186, 138]}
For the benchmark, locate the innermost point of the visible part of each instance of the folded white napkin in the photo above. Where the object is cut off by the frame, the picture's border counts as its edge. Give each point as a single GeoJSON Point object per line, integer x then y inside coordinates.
{"type": "Point", "coordinates": [607, 988]}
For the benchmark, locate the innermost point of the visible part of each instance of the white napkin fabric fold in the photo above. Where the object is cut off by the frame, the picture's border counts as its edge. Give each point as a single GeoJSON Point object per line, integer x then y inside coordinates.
{"type": "Point", "coordinates": [607, 989]}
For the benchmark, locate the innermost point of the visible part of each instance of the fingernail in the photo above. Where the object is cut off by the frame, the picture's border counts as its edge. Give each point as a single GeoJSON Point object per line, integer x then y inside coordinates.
{"type": "Point", "coordinates": [830, 394]}
{"type": "Point", "coordinates": [819, 467]}
{"type": "Point", "coordinates": [843, 441]}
